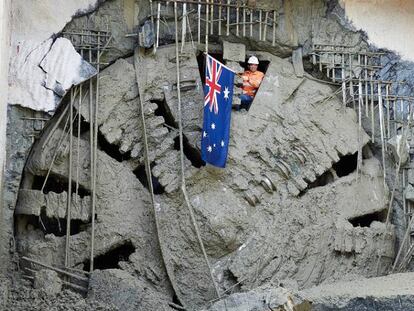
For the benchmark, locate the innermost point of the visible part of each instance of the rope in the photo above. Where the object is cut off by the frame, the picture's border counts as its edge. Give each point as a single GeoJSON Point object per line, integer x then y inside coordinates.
{"type": "Point", "coordinates": [148, 172]}
{"type": "Point", "coordinates": [183, 184]}
{"type": "Point", "coordinates": [69, 200]}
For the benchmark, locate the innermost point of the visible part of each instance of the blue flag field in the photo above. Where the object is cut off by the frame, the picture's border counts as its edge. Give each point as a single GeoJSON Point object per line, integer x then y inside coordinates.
{"type": "Point", "coordinates": [218, 92]}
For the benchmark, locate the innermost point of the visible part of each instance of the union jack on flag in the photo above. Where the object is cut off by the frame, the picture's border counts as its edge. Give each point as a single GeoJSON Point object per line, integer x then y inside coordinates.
{"type": "Point", "coordinates": [218, 91]}
{"type": "Point", "coordinates": [213, 74]}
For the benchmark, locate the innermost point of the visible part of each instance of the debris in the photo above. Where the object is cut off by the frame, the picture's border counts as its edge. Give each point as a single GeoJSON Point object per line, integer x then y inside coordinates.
{"type": "Point", "coordinates": [54, 66]}
{"type": "Point", "coordinates": [146, 35]}
{"type": "Point", "coordinates": [392, 292]}
{"type": "Point", "coordinates": [48, 281]}
{"type": "Point", "coordinates": [128, 293]}
{"type": "Point", "coordinates": [398, 150]}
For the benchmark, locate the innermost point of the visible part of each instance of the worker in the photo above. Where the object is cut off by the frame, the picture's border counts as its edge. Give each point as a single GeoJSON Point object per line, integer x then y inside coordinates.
{"type": "Point", "coordinates": [251, 82]}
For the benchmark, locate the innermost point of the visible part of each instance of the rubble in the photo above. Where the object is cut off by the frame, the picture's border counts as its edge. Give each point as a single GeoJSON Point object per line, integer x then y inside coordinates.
{"type": "Point", "coordinates": [271, 298]}
{"type": "Point", "coordinates": [399, 152]}
{"type": "Point", "coordinates": [128, 293]}
{"type": "Point", "coordinates": [48, 282]}
{"type": "Point", "coordinates": [54, 66]}
{"type": "Point", "coordinates": [388, 293]}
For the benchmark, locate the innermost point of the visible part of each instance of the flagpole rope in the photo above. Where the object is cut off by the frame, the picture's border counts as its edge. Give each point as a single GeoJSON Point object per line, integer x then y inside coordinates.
{"type": "Point", "coordinates": [183, 185]}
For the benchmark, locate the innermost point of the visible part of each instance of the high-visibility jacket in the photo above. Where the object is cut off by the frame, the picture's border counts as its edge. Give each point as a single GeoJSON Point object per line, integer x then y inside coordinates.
{"type": "Point", "coordinates": [251, 82]}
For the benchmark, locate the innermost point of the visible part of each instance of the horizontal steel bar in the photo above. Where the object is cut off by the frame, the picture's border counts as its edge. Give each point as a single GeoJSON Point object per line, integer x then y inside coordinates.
{"type": "Point", "coordinates": [224, 5]}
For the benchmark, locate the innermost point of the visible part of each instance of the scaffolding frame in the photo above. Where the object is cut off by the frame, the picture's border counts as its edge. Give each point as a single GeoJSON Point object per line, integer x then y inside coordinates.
{"type": "Point", "coordinates": [355, 72]}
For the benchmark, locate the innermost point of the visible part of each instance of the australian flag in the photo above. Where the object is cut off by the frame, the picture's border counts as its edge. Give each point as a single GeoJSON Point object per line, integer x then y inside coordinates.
{"type": "Point", "coordinates": [218, 91]}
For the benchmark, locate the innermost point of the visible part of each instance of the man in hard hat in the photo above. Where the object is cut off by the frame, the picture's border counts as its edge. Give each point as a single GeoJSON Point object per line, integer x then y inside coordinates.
{"type": "Point", "coordinates": [251, 82]}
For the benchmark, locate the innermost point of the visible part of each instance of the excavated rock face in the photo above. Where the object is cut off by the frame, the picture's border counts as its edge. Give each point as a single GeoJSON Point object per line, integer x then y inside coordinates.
{"type": "Point", "coordinates": [289, 209]}
{"type": "Point", "coordinates": [304, 230]}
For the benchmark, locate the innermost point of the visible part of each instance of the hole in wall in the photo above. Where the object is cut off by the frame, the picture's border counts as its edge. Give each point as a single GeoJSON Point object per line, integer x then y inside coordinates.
{"type": "Point", "coordinates": [111, 149]}
{"type": "Point", "coordinates": [201, 63]}
{"type": "Point", "coordinates": [57, 185]}
{"type": "Point", "coordinates": [84, 126]}
{"type": "Point", "coordinates": [111, 259]}
{"type": "Point", "coordinates": [346, 165]}
{"type": "Point", "coordinates": [263, 65]}
{"type": "Point", "coordinates": [51, 225]}
{"type": "Point", "coordinates": [176, 302]}
{"type": "Point", "coordinates": [191, 153]}
{"type": "Point", "coordinates": [323, 180]}
{"type": "Point", "coordinates": [141, 174]}
{"type": "Point", "coordinates": [164, 111]}
{"type": "Point", "coordinates": [366, 220]}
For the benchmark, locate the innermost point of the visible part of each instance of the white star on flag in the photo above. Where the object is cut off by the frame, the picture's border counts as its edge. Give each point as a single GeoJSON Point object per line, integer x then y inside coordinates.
{"type": "Point", "coordinates": [213, 126]}
{"type": "Point", "coordinates": [204, 134]}
{"type": "Point", "coordinates": [214, 145]}
{"type": "Point", "coordinates": [209, 149]}
{"type": "Point", "coordinates": [222, 143]}
{"type": "Point", "coordinates": [226, 93]}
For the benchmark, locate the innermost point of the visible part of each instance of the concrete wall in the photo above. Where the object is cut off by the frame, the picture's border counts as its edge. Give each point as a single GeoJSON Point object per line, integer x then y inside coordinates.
{"type": "Point", "coordinates": [4, 66]}
{"type": "Point", "coordinates": [388, 23]}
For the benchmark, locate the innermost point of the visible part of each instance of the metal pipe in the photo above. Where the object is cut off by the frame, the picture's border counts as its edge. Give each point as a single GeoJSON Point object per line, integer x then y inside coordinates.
{"type": "Point", "coordinates": [394, 112]}
{"type": "Point", "coordinates": [382, 132]}
{"type": "Point", "coordinates": [34, 119]}
{"type": "Point", "coordinates": [372, 110]}
{"type": "Point", "coordinates": [212, 19]}
{"type": "Point", "coordinates": [244, 22]}
{"type": "Point", "coordinates": [69, 197]}
{"type": "Point", "coordinates": [158, 26]}
{"type": "Point", "coordinates": [260, 25]}
{"type": "Point", "coordinates": [274, 29]}
{"type": "Point", "coordinates": [360, 102]}
{"type": "Point", "coordinates": [343, 81]}
{"type": "Point", "coordinates": [55, 127]}
{"type": "Point", "coordinates": [387, 100]}
{"type": "Point", "coordinates": [91, 136]}
{"type": "Point", "coordinates": [152, 14]}
{"type": "Point", "coordinates": [351, 84]}
{"type": "Point", "coordinates": [77, 287]}
{"type": "Point", "coordinates": [75, 276]}
{"type": "Point", "coordinates": [228, 20]}
{"type": "Point", "coordinates": [95, 159]}
{"type": "Point", "coordinates": [63, 137]}
{"type": "Point", "coordinates": [78, 143]}
{"type": "Point", "coordinates": [251, 23]}
{"type": "Point", "coordinates": [206, 27]}
{"type": "Point", "coordinates": [366, 86]}
{"type": "Point", "coordinates": [327, 68]}
{"type": "Point", "coordinates": [265, 27]}
{"type": "Point", "coordinates": [219, 19]}
{"type": "Point", "coordinates": [199, 24]}
{"type": "Point", "coordinates": [237, 20]}
{"type": "Point", "coordinates": [183, 27]}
